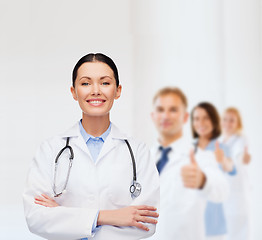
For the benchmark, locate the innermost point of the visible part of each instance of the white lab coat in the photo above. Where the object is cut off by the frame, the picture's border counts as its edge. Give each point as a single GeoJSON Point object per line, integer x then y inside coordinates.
{"type": "Point", "coordinates": [237, 207]}
{"type": "Point", "coordinates": [181, 213]}
{"type": "Point", "coordinates": [92, 186]}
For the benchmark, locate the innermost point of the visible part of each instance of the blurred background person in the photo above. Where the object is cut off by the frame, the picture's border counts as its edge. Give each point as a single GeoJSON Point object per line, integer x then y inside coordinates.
{"type": "Point", "coordinates": [186, 182]}
{"type": "Point", "coordinates": [205, 122]}
{"type": "Point", "coordinates": [237, 207]}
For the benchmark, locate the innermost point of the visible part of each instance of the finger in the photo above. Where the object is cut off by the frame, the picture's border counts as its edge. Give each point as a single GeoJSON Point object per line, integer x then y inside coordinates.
{"type": "Point", "coordinates": [188, 173]}
{"type": "Point", "coordinates": [188, 168]}
{"type": "Point", "coordinates": [187, 181]}
{"type": "Point", "coordinates": [45, 196]}
{"type": "Point", "coordinates": [141, 226]}
{"type": "Point", "coordinates": [190, 185]}
{"type": "Point", "coordinates": [148, 213]}
{"type": "Point", "coordinates": [40, 198]}
{"type": "Point", "coordinates": [189, 178]}
{"type": "Point", "coordinates": [190, 182]}
{"type": "Point", "coordinates": [145, 207]}
{"type": "Point", "coordinates": [42, 203]}
{"type": "Point", "coordinates": [192, 157]}
{"type": "Point", "coordinates": [146, 219]}
{"type": "Point", "coordinates": [217, 145]}
{"type": "Point", "coordinates": [47, 203]}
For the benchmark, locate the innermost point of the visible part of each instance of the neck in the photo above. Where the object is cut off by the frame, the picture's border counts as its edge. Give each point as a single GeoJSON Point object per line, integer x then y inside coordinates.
{"type": "Point", "coordinates": [166, 140]}
{"type": "Point", "coordinates": [203, 142]}
{"type": "Point", "coordinates": [95, 126]}
{"type": "Point", "coordinates": [227, 136]}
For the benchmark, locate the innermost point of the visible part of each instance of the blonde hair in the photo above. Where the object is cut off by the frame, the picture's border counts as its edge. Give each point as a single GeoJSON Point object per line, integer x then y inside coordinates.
{"type": "Point", "coordinates": [239, 119]}
{"type": "Point", "coordinates": [171, 90]}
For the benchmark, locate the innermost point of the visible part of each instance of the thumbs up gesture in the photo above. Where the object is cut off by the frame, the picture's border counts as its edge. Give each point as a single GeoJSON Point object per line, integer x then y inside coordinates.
{"type": "Point", "coordinates": [246, 156]}
{"type": "Point", "coordinates": [192, 176]}
{"type": "Point", "coordinates": [226, 163]}
{"type": "Point", "coordinates": [219, 153]}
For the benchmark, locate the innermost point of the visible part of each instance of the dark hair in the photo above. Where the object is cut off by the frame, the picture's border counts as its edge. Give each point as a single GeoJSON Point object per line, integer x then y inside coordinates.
{"type": "Point", "coordinates": [214, 117]}
{"type": "Point", "coordinates": [171, 90]}
{"type": "Point", "coordinates": [95, 57]}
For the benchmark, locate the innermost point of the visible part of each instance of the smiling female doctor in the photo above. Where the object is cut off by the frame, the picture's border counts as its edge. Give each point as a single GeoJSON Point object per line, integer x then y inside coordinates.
{"type": "Point", "coordinates": [96, 191]}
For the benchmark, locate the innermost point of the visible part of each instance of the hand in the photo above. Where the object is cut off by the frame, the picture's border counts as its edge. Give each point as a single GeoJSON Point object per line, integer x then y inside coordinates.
{"type": "Point", "coordinates": [46, 201]}
{"type": "Point", "coordinates": [226, 163]}
{"type": "Point", "coordinates": [129, 216]}
{"type": "Point", "coordinates": [192, 176]}
{"type": "Point", "coordinates": [219, 153]}
{"type": "Point", "coordinates": [246, 156]}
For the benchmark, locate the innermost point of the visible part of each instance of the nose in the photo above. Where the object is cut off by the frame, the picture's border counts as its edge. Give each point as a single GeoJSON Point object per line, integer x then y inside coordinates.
{"type": "Point", "coordinates": [96, 90]}
{"type": "Point", "coordinates": [165, 115]}
{"type": "Point", "coordinates": [201, 122]}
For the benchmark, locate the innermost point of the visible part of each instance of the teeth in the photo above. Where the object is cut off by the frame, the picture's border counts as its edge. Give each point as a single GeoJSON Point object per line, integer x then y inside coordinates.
{"type": "Point", "coordinates": [95, 102]}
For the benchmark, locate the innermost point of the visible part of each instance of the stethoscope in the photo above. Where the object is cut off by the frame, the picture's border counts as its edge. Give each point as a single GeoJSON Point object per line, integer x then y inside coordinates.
{"type": "Point", "coordinates": [135, 188]}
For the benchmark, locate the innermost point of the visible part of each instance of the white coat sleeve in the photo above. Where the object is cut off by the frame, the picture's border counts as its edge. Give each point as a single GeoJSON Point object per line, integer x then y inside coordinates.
{"type": "Point", "coordinates": [216, 188]}
{"type": "Point", "coordinates": [148, 177]}
{"type": "Point", "coordinates": [65, 223]}
{"type": "Point", "coordinates": [237, 152]}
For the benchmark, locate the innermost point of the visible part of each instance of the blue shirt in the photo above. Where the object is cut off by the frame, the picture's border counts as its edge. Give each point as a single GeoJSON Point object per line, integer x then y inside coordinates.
{"type": "Point", "coordinates": [94, 145]}
{"type": "Point", "coordinates": [215, 221]}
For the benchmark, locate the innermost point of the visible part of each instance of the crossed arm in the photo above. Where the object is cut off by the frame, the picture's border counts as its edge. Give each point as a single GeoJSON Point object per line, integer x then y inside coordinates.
{"type": "Point", "coordinates": [128, 216]}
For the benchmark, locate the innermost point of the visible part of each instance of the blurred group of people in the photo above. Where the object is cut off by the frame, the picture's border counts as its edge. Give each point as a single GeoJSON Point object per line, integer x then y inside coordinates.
{"type": "Point", "coordinates": [95, 182]}
{"type": "Point", "coordinates": [204, 189]}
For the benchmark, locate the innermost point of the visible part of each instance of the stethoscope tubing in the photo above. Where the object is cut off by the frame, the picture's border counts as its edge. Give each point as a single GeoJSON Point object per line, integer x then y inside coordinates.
{"type": "Point", "coordinates": [135, 187]}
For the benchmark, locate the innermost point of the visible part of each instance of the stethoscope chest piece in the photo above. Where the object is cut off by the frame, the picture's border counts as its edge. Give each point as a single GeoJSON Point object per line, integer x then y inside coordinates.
{"type": "Point", "coordinates": [135, 189]}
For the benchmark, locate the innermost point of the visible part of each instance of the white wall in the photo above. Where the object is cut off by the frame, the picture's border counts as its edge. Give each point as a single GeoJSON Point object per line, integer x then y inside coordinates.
{"type": "Point", "coordinates": [211, 49]}
{"type": "Point", "coordinates": [243, 84]}
{"type": "Point", "coordinates": [179, 43]}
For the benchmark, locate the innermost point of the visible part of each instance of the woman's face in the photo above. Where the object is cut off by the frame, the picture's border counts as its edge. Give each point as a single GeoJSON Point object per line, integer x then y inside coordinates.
{"type": "Point", "coordinates": [202, 123]}
{"type": "Point", "coordinates": [230, 123]}
{"type": "Point", "coordinates": [95, 88]}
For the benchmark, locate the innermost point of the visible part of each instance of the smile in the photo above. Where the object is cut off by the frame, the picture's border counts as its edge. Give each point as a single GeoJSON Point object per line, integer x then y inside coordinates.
{"type": "Point", "coordinates": [96, 102]}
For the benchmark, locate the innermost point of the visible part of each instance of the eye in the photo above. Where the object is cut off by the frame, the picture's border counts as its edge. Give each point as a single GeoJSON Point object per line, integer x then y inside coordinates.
{"type": "Point", "coordinates": [174, 109]}
{"type": "Point", "coordinates": [159, 109]}
{"type": "Point", "coordinates": [85, 84]}
{"type": "Point", "coordinates": [105, 83]}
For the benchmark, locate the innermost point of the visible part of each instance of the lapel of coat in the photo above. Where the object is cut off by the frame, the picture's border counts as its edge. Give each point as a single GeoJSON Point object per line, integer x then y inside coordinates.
{"type": "Point", "coordinates": [76, 138]}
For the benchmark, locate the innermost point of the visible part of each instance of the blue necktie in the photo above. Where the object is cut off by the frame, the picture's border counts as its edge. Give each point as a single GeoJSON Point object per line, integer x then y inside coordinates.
{"type": "Point", "coordinates": [163, 160]}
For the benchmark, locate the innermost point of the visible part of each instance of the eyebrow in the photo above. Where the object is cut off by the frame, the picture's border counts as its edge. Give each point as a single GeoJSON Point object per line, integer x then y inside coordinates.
{"type": "Point", "coordinates": [105, 77]}
{"type": "Point", "coordinates": [101, 78]}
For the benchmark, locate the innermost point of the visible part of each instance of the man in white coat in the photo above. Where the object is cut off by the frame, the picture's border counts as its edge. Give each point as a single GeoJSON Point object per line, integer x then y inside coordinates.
{"type": "Point", "coordinates": [186, 181]}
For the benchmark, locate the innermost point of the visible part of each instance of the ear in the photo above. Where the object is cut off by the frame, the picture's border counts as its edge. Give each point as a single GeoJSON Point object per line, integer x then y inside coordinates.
{"type": "Point", "coordinates": [73, 91]}
{"type": "Point", "coordinates": [186, 116]}
{"type": "Point", "coordinates": [118, 92]}
{"type": "Point", "coordinates": [152, 115]}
